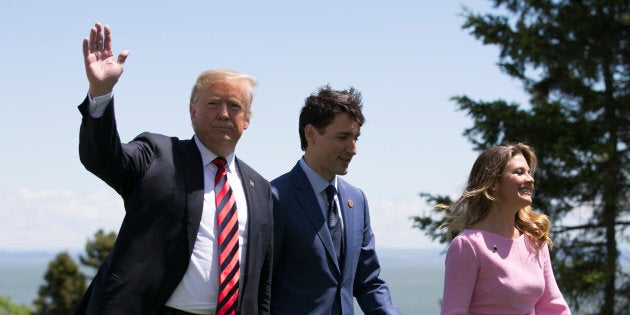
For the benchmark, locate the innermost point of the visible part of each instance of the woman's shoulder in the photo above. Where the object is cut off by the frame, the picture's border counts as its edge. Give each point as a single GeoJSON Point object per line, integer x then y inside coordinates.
{"type": "Point", "coordinates": [467, 237]}
{"type": "Point", "coordinates": [470, 234]}
{"type": "Point", "coordinates": [467, 244]}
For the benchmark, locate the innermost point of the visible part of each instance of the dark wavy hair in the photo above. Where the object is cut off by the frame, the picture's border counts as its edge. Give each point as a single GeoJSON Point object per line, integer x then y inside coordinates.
{"type": "Point", "coordinates": [320, 109]}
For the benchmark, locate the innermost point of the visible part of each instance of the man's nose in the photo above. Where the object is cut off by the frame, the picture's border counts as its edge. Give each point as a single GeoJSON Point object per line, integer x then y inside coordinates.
{"type": "Point", "coordinates": [352, 147]}
{"type": "Point", "coordinates": [223, 110]}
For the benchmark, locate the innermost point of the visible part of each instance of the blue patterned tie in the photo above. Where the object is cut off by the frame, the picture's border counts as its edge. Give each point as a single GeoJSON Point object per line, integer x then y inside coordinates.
{"type": "Point", "coordinates": [333, 221]}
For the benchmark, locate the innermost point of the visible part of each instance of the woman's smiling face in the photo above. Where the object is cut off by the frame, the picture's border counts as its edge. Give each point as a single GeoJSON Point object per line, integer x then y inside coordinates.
{"type": "Point", "coordinates": [516, 186]}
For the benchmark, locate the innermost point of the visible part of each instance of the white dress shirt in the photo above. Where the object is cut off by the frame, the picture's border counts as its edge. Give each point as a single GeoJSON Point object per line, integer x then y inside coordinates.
{"type": "Point", "coordinates": [198, 290]}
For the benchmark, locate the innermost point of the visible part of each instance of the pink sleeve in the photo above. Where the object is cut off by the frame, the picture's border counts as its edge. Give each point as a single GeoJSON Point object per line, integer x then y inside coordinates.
{"type": "Point", "coordinates": [551, 302]}
{"type": "Point", "coordinates": [460, 275]}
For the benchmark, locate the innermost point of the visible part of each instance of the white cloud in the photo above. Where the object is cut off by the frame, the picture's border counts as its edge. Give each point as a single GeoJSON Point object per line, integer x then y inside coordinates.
{"type": "Point", "coordinates": [53, 220]}
{"type": "Point", "coordinates": [392, 224]}
{"type": "Point", "coordinates": [33, 220]}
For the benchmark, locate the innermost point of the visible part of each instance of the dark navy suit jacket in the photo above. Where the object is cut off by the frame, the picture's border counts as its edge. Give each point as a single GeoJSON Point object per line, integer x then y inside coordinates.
{"type": "Point", "coordinates": [161, 182]}
{"type": "Point", "coordinates": [307, 278]}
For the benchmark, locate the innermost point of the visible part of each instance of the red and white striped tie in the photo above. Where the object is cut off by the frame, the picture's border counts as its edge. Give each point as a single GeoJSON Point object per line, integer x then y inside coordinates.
{"type": "Point", "coordinates": [227, 230]}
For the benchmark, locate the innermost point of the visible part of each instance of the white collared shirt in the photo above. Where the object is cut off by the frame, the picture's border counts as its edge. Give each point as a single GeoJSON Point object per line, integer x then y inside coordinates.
{"type": "Point", "coordinates": [319, 185]}
{"type": "Point", "coordinates": [198, 290]}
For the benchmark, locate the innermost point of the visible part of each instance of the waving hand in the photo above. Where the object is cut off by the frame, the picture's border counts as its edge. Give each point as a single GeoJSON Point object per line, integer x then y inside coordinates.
{"type": "Point", "coordinates": [102, 69]}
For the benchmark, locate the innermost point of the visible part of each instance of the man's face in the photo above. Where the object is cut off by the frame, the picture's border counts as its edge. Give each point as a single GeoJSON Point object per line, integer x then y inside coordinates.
{"type": "Point", "coordinates": [220, 115]}
{"type": "Point", "coordinates": [330, 153]}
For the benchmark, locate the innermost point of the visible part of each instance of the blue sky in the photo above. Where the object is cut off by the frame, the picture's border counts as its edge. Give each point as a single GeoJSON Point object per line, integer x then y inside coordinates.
{"type": "Point", "coordinates": [406, 57]}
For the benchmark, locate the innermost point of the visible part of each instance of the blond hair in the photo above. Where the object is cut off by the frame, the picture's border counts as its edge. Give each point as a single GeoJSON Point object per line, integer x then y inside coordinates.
{"type": "Point", "coordinates": [475, 202]}
{"type": "Point", "coordinates": [210, 77]}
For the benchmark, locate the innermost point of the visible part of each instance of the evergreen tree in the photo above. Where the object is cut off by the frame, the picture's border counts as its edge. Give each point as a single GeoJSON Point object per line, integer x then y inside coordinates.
{"type": "Point", "coordinates": [8, 307]}
{"type": "Point", "coordinates": [97, 249]}
{"type": "Point", "coordinates": [63, 288]}
{"type": "Point", "coordinates": [573, 58]}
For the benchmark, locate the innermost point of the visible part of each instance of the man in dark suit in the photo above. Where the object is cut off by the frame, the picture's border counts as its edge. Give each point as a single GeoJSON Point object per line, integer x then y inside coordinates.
{"type": "Point", "coordinates": [324, 250]}
{"type": "Point", "coordinates": [168, 251]}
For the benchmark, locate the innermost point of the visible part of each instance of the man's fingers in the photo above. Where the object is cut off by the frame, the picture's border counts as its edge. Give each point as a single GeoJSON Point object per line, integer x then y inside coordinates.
{"type": "Point", "coordinates": [99, 37]}
{"type": "Point", "coordinates": [86, 47]}
{"type": "Point", "coordinates": [108, 38]}
{"type": "Point", "coordinates": [122, 57]}
{"type": "Point", "coordinates": [92, 41]}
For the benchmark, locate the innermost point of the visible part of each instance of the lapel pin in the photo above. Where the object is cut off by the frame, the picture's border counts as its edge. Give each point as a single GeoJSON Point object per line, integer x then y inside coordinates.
{"type": "Point", "coordinates": [251, 183]}
{"type": "Point", "coordinates": [350, 203]}
{"type": "Point", "coordinates": [494, 248]}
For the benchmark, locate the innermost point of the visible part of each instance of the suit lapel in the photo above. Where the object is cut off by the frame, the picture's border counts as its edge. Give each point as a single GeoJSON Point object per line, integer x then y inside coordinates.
{"type": "Point", "coordinates": [348, 216]}
{"type": "Point", "coordinates": [193, 173]}
{"type": "Point", "coordinates": [252, 217]}
{"type": "Point", "coordinates": [310, 206]}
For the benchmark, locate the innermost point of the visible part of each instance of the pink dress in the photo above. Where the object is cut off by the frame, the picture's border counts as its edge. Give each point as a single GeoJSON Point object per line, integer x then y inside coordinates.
{"type": "Point", "coordinates": [490, 274]}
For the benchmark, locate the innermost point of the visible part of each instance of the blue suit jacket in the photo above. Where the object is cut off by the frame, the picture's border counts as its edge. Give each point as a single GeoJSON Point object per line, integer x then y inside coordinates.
{"type": "Point", "coordinates": [161, 182]}
{"type": "Point", "coordinates": [307, 278]}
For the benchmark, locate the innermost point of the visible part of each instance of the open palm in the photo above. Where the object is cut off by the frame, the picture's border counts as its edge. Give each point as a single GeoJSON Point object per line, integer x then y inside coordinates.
{"type": "Point", "coordinates": [101, 67]}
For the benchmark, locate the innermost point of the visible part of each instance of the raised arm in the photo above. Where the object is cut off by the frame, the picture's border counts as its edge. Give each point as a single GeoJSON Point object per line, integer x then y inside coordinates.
{"type": "Point", "coordinates": [101, 68]}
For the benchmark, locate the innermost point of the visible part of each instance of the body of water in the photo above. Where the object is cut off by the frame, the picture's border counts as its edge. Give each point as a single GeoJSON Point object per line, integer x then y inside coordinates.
{"type": "Point", "coordinates": [414, 277]}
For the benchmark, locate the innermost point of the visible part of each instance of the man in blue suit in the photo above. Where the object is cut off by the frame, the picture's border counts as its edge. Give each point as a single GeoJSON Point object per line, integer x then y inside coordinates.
{"type": "Point", "coordinates": [324, 250]}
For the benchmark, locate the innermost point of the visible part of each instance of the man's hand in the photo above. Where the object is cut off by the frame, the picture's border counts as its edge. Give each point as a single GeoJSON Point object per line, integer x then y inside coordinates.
{"type": "Point", "coordinates": [101, 68]}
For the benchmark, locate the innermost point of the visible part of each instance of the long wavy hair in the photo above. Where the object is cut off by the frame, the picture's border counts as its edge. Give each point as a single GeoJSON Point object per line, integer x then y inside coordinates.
{"type": "Point", "coordinates": [476, 201]}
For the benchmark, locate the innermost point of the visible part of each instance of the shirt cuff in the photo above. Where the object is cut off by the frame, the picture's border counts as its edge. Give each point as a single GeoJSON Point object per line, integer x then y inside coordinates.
{"type": "Point", "coordinates": [99, 104]}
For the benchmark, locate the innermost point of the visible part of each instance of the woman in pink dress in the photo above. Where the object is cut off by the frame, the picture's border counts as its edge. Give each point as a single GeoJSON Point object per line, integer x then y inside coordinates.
{"type": "Point", "coordinates": [499, 262]}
